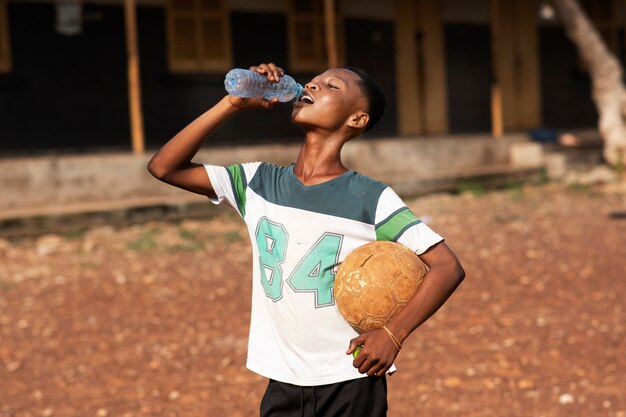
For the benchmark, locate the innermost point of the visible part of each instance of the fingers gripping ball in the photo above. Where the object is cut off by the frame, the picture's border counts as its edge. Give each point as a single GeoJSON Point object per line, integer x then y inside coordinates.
{"type": "Point", "coordinates": [375, 282]}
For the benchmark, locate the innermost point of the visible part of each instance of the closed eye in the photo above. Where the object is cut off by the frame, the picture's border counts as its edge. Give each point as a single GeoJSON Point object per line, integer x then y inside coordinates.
{"type": "Point", "coordinates": [333, 86]}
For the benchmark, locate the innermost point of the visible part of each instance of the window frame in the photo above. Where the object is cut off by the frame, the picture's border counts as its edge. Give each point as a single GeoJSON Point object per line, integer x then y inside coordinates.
{"type": "Point", "coordinates": [200, 64]}
{"type": "Point", "coordinates": [316, 18]}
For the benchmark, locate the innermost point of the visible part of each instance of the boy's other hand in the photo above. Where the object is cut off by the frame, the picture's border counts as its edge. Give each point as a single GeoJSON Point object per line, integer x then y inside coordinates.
{"type": "Point", "coordinates": [376, 356]}
{"type": "Point", "coordinates": [273, 74]}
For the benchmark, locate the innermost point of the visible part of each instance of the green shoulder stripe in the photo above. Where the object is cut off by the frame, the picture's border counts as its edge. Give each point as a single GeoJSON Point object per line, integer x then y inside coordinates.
{"type": "Point", "coordinates": [396, 224]}
{"type": "Point", "coordinates": [238, 182]}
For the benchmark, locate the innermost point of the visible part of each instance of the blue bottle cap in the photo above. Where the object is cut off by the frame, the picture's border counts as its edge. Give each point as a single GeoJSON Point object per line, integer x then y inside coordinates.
{"type": "Point", "coordinates": [300, 90]}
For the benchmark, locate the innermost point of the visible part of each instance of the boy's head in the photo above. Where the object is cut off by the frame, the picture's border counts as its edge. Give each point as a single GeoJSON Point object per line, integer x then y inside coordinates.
{"type": "Point", "coordinates": [339, 99]}
{"type": "Point", "coordinates": [373, 95]}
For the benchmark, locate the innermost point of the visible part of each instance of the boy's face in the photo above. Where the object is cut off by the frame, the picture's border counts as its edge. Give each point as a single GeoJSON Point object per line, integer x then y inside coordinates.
{"type": "Point", "coordinates": [329, 101]}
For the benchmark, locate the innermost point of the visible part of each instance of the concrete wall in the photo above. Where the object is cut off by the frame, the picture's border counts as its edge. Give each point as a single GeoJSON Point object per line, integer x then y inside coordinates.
{"type": "Point", "coordinates": [44, 183]}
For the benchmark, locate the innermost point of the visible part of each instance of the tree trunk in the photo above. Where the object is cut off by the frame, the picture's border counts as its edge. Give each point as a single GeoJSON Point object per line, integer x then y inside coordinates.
{"type": "Point", "coordinates": [606, 75]}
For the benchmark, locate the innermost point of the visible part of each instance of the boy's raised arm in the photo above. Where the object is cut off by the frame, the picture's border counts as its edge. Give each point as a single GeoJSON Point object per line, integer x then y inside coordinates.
{"type": "Point", "coordinates": [172, 163]}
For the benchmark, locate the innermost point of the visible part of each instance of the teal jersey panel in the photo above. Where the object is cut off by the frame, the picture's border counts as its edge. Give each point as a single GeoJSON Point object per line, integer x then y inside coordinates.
{"type": "Point", "coordinates": [351, 195]}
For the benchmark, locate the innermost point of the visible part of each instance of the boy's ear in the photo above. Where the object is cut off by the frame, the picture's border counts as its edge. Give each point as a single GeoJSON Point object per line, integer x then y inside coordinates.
{"type": "Point", "coordinates": [358, 120]}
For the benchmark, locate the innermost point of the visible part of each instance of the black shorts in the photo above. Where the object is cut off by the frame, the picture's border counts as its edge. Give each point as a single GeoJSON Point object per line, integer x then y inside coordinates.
{"type": "Point", "coordinates": [362, 397]}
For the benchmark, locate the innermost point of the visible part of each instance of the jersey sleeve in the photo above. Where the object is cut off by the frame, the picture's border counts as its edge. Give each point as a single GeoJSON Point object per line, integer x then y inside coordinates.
{"type": "Point", "coordinates": [395, 222]}
{"type": "Point", "coordinates": [230, 183]}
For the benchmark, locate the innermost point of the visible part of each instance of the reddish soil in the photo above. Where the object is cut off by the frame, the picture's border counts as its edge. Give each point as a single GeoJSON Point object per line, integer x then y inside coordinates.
{"type": "Point", "coordinates": [152, 320]}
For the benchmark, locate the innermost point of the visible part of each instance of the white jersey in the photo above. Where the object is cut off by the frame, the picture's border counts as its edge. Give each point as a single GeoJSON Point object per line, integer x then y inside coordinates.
{"type": "Point", "coordinates": [300, 234]}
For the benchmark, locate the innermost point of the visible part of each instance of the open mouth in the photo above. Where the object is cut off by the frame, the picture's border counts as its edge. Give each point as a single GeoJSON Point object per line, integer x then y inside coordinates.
{"type": "Point", "coordinates": [306, 98]}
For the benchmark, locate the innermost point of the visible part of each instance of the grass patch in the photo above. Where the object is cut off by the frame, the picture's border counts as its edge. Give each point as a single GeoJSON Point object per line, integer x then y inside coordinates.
{"type": "Point", "coordinates": [586, 189]}
{"type": "Point", "coordinates": [474, 188]}
{"type": "Point", "coordinates": [542, 178]}
{"type": "Point", "coordinates": [619, 167]}
{"type": "Point", "coordinates": [515, 189]}
{"type": "Point", "coordinates": [89, 265]}
{"type": "Point", "coordinates": [232, 236]}
{"type": "Point", "coordinates": [187, 247]}
{"type": "Point", "coordinates": [77, 233]}
{"type": "Point", "coordinates": [187, 234]}
{"type": "Point", "coordinates": [146, 241]}
{"type": "Point", "coordinates": [500, 219]}
{"type": "Point", "coordinates": [191, 244]}
{"type": "Point", "coordinates": [6, 286]}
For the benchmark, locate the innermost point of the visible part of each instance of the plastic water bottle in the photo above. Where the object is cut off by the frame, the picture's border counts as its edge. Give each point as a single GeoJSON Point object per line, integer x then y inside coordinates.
{"type": "Point", "coordinates": [245, 83]}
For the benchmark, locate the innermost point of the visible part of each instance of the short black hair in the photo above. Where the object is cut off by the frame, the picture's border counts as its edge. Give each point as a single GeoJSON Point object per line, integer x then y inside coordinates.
{"type": "Point", "coordinates": [373, 95]}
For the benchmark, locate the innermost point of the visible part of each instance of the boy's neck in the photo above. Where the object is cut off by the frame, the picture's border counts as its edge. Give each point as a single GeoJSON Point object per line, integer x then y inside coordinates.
{"type": "Point", "coordinates": [319, 159]}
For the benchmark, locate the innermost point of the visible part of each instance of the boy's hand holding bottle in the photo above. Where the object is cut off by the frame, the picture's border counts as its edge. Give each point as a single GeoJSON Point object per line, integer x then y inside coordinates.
{"type": "Point", "coordinates": [261, 86]}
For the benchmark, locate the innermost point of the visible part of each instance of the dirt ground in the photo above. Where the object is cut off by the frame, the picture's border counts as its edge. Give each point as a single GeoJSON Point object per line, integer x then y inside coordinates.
{"type": "Point", "coordinates": [152, 320]}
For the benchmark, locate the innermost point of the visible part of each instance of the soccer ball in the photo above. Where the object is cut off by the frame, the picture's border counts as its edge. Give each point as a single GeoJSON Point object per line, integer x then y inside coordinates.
{"type": "Point", "coordinates": [375, 282]}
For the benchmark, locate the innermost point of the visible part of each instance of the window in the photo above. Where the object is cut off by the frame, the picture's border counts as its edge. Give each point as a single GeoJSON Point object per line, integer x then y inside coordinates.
{"type": "Point", "coordinates": [307, 38]}
{"type": "Point", "coordinates": [5, 50]}
{"type": "Point", "coordinates": [198, 36]}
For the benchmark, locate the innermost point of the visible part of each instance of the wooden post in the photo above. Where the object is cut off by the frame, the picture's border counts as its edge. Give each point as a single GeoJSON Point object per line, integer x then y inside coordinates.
{"type": "Point", "coordinates": [515, 95]}
{"type": "Point", "coordinates": [526, 65]}
{"type": "Point", "coordinates": [5, 45]}
{"type": "Point", "coordinates": [497, 119]}
{"type": "Point", "coordinates": [330, 26]}
{"type": "Point", "coordinates": [134, 83]}
{"type": "Point", "coordinates": [420, 67]}
{"type": "Point", "coordinates": [497, 128]}
{"type": "Point", "coordinates": [432, 67]}
{"type": "Point", "coordinates": [408, 88]}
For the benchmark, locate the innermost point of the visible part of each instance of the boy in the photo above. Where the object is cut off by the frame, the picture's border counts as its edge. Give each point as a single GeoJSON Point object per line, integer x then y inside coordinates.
{"type": "Point", "coordinates": [303, 220]}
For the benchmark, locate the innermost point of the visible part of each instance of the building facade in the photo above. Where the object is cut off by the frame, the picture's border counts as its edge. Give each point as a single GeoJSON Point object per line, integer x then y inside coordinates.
{"type": "Point", "coordinates": [447, 66]}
